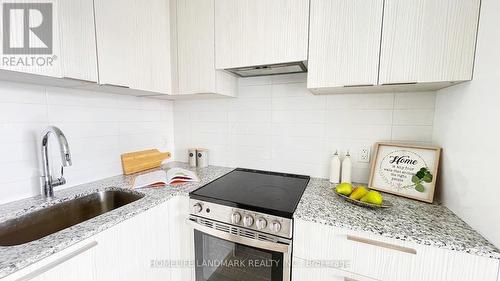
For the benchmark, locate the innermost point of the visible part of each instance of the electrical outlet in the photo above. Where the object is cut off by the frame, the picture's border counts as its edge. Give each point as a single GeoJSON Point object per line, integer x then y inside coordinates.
{"type": "Point", "coordinates": [364, 154]}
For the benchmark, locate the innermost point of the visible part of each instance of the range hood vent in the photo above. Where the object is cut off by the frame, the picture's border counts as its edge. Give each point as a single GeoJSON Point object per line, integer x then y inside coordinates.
{"type": "Point", "coordinates": [270, 69]}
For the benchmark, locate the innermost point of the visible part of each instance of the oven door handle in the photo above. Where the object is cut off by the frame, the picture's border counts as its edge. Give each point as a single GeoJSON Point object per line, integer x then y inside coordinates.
{"type": "Point", "coordinates": [276, 247]}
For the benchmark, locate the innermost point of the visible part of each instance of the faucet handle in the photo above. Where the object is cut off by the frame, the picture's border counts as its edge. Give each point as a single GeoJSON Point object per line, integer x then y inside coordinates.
{"type": "Point", "coordinates": [61, 180]}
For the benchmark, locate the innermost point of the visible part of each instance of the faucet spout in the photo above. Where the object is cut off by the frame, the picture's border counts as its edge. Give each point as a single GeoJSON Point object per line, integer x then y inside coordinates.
{"type": "Point", "coordinates": [48, 183]}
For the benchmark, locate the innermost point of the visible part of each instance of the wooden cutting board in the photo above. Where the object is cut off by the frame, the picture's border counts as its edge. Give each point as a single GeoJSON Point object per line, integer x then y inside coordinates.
{"type": "Point", "coordinates": [139, 161]}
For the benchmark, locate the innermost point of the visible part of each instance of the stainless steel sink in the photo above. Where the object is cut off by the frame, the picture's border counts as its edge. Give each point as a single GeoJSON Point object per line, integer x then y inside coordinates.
{"type": "Point", "coordinates": [36, 225]}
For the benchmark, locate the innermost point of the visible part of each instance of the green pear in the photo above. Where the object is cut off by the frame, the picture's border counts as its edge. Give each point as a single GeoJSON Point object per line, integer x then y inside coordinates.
{"type": "Point", "coordinates": [344, 188]}
{"type": "Point", "coordinates": [372, 197]}
{"type": "Point", "coordinates": [358, 193]}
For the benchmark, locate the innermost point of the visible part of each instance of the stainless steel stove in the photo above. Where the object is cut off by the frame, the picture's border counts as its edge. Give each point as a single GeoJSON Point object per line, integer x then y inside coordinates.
{"type": "Point", "coordinates": [243, 225]}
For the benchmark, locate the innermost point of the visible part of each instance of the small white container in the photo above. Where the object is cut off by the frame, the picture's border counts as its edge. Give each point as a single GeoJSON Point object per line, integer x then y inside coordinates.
{"type": "Point", "coordinates": [192, 157]}
{"type": "Point", "coordinates": [347, 169]}
{"type": "Point", "coordinates": [335, 168]}
{"type": "Point", "coordinates": [202, 157]}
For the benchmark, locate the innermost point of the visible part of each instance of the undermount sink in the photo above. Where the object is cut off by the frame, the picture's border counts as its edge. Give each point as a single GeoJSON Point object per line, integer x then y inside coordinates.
{"type": "Point", "coordinates": [38, 224]}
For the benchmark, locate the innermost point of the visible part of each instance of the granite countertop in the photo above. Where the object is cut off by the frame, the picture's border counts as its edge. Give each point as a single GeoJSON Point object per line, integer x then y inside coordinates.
{"type": "Point", "coordinates": [14, 258]}
{"type": "Point", "coordinates": [407, 220]}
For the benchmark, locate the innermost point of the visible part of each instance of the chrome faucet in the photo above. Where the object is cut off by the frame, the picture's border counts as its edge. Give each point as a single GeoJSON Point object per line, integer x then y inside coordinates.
{"type": "Point", "coordinates": [48, 183]}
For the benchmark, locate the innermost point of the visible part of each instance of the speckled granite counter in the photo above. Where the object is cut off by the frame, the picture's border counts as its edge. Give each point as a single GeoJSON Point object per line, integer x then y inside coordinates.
{"type": "Point", "coordinates": [17, 257]}
{"type": "Point", "coordinates": [408, 220]}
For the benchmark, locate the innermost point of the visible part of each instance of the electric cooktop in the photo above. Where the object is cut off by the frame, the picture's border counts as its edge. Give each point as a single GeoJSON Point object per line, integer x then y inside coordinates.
{"type": "Point", "coordinates": [260, 191]}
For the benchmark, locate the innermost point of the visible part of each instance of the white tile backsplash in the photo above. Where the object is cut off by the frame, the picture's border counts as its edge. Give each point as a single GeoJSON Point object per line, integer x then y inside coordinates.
{"type": "Point", "coordinates": [99, 128]}
{"type": "Point", "coordinates": [274, 124]}
{"type": "Point", "coordinates": [277, 124]}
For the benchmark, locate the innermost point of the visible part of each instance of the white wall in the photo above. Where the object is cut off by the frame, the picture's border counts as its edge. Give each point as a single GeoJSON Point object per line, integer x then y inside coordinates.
{"type": "Point", "coordinates": [467, 126]}
{"type": "Point", "coordinates": [277, 124]}
{"type": "Point", "coordinates": [99, 128]}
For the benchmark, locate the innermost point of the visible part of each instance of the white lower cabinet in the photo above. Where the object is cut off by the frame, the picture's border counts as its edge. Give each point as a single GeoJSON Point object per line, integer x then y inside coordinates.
{"type": "Point", "coordinates": [155, 245]}
{"type": "Point", "coordinates": [127, 250]}
{"type": "Point", "coordinates": [181, 239]}
{"type": "Point", "coordinates": [332, 252]}
{"type": "Point", "coordinates": [75, 263]}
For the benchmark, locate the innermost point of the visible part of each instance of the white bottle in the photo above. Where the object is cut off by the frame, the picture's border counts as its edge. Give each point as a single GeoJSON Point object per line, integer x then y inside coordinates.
{"type": "Point", "coordinates": [335, 168]}
{"type": "Point", "coordinates": [347, 168]}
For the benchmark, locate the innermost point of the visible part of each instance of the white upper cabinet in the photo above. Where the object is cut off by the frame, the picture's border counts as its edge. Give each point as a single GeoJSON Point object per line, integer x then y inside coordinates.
{"type": "Point", "coordinates": [78, 45]}
{"type": "Point", "coordinates": [196, 72]}
{"type": "Point", "coordinates": [133, 43]}
{"type": "Point", "coordinates": [259, 32]}
{"type": "Point", "coordinates": [69, 42]}
{"type": "Point", "coordinates": [344, 43]}
{"type": "Point", "coordinates": [428, 40]}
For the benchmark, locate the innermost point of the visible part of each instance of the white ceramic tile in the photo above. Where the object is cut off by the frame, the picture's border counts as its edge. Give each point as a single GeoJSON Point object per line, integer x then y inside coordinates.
{"type": "Point", "coordinates": [62, 96]}
{"type": "Point", "coordinates": [210, 127]}
{"type": "Point", "coordinates": [372, 133]}
{"type": "Point", "coordinates": [299, 117]}
{"type": "Point", "coordinates": [292, 130]}
{"type": "Point", "coordinates": [22, 113]}
{"type": "Point", "coordinates": [254, 91]}
{"type": "Point", "coordinates": [261, 129]}
{"type": "Point", "coordinates": [299, 103]}
{"type": "Point", "coordinates": [208, 116]}
{"type": "Point", "coordinates": [292, 143]}
{"type": "Point", "coordinates": [290, 90]}
{"type": "Point", "coordinates": [88, 129]}
{"type": "Point", "coordinates": [251, 81]}
{"type": "Point", "coordinates": [361, 101]}
{"type": "Point", "coordinates": [257, 104]}
{"type": "Point", "coordinates": [298, 130]}
{"type": "Point", "coordinates": [250, 140]}
{"type": "Point", "coordinates": [360, 117]}
{"type": "Point", "coordinates": [249, 116]}
{"type": "Point", "coordinates": [412, 133]}
{"type": "Point", "coordinates": [21, 132]}
{"type": "Point", "coordinates": [418, 100]}
{"type": "Point", "coordinates": [414, 117]}
{"type": "Point", "coordinates": [19, 152]}
{"type": "Point", "coordinates": [21, 93]}
{"type": "Point", "coordinates": [99, 127]}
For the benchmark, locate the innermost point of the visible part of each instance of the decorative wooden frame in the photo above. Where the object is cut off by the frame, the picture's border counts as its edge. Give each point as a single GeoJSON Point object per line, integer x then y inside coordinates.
{"type": "Point", "coordinates": [402, 182]}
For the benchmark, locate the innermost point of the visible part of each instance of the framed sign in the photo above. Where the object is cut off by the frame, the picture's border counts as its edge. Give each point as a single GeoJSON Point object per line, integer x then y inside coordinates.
{"type": "Point", "coordinates": [405, 170]}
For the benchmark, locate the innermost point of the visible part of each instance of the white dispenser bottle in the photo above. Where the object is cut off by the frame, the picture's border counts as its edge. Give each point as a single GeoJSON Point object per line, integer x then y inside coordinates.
{"type": "Point", "coordinates": [335, 168]}
{"type": "Point", "coordinates": [347, 168]}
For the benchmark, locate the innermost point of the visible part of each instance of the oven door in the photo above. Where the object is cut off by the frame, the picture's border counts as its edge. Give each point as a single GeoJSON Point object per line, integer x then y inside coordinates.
{"type": "Point", "coordinates": [227, 253]}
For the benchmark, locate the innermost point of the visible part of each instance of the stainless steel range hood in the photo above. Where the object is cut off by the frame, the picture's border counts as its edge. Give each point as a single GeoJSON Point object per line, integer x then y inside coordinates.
{"type": "Point", "coordinates": [270, 69]}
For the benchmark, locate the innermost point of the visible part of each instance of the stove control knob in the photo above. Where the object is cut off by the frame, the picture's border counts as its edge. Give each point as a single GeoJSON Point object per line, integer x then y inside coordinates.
{"type": "Point", "coordinates": [247, 220]}
{"type": "Point", "coordinates": [261, 223]}
{"type": "Point", "coordinates": [275, 226]}
{"type": "Point", "coordinates": [197, 208]}
{"type": "Point", "coordinates": [235, 218]}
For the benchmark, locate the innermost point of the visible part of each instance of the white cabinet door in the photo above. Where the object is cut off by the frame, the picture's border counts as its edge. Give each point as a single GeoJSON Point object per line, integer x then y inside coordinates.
{"type": "Point", "coordinates": [344, 43]}
{"type": "Point", "coordinates": [77, 268]}
{"type": "Point", "coordinates": [135, 249]}
{"type": "Point", "coordinates": [196, 51]}
{"type": "Point", "coordinates": [428, 40]}
{"type": "Point", "coordinates": [195, 46]}
{"type": "Point", "coordinates": [76, 263]}
{"type": "Point", "coordinates": [133, 44]}
{"type": "Point", "coordinates": [181, 238]}
{"type": "Point", "coordinates": [78, 45]}
{"type": "Point", "coordinates": [70, 32]}
{"type": "Point", "coordinates": [380, 258]}
{"type": "Point", "coordinates": [116, 35]}
{"type": "Point", "coordinates": [257, 32]}
{"type": "Point", "coordinates": [303, 270]}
